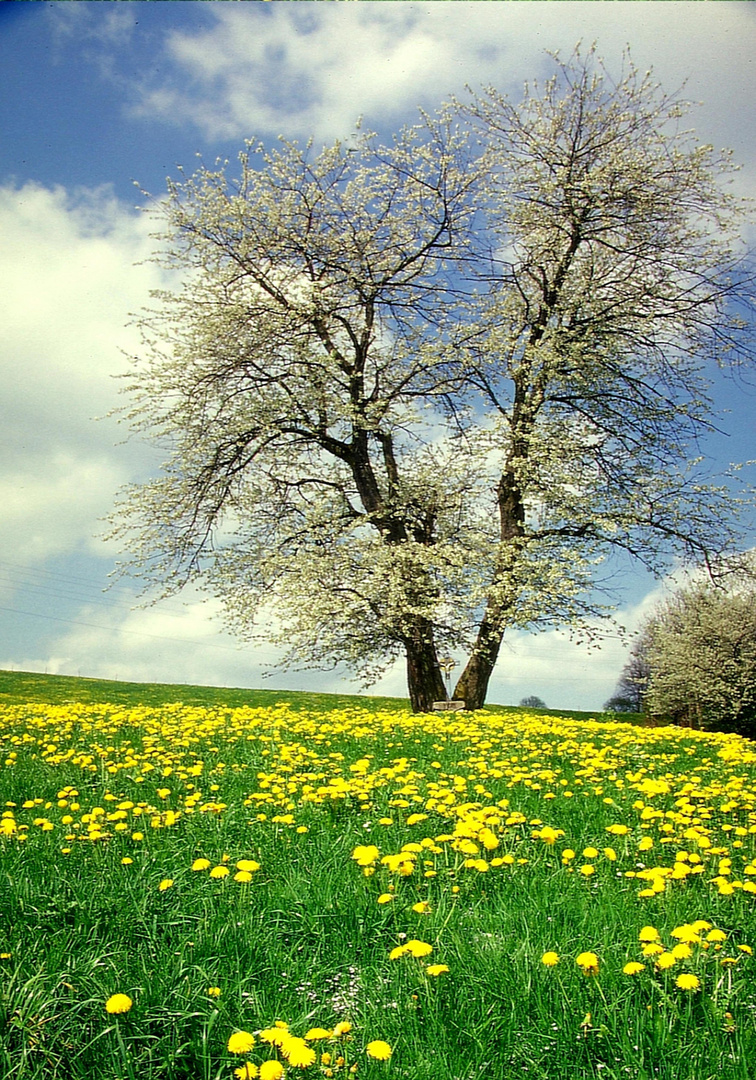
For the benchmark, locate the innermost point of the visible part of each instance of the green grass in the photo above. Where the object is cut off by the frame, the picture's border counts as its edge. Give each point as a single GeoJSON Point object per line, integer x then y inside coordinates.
{"type": "Point", "coordinates": [296, 782]}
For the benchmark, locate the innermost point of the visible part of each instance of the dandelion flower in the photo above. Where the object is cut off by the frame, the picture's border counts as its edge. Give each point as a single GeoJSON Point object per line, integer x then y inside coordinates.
{"type": "Point", "coordinates": [247, 1071]}
{"type": "Point", "coordinates": [686, 933]}
{"type": "Point", "coordinates": [219, 872]}
{"type": "Point", "coordinates": [589, 962]}
{"type": "Point", "coordinates": [201, 864]}
{"type": "Point", "coordinates": [436, 969]}
{"type": "Point", "coordinates": [277, 1035]}
{"type": "Point", "coordinates": [681, 951]}
{"type": "Point", "coordinates": [298, 1053]}
{"type": "Point", "coordinates": [590, 853]}
{"type": "Point", "coordinates": [385, 898]}
{"type": "Point", "coordinates": [342, 1028]}
{"type": "Point", "coordinates": [418, 948]}
{"type": "Point", "coordinates": [654, 948]}
{"type": "Point", "coordinates": [665, 960]}
{"type": "Point", "coordinates": [633, 968]}
{"type": "Point", "coordinates": [648, 933]}
{"type": "Point", "coordinates": [271, 1070]}
{"type": "Point", "coordinates": [214, 991]}
{"type": "Point", "coordinates": [247, 866]}
{"type": "Point", "coordinates": [688, 982]}
{"type": "Point", "coordinates": [318, 1033]}
{"type": "Point", "coordinates": [365, 854]}
{"type": "Point", "coordinates": [378, 1049]}
{"type": "Point", "coordinates": [126, 861]}
{"type": "Point", "coordinates": [716, 935]}
{"type": "Point", "coordinates": [242, 876]}
{"type": "Point", "coordinates": [118, 1003]}
{"type": "Point", "coordinates": [587, 870]}
{"type": "Point", "coordinates": [241, 1042]}
{"type": "Point", "coordinates": [550, 959]}
{"type": "Point", "coordinates": [422, 907]}
{"type": "Point", "coordinates": [165, 884]}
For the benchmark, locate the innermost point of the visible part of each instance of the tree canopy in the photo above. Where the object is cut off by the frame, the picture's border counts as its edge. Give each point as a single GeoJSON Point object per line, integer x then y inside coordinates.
{"type": "Point", "coordinates": [700, 651]}
{"type": "Point", "coordinates": [412, 394]}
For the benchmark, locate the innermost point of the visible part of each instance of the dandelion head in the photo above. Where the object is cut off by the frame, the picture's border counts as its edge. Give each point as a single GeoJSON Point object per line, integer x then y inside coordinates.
{"type": "Point", "coordinates": [378, 1049]}
{"type": "Point", "coordinates": [271, 1070]}
{"type": "Point", "coordinates": [550, 959]}
{"type": "Point", "coordinates": [118, 1003]}
{"type": "Point", "coordinates": [687, 981]}
{"type": "Point", "coordinates": [436, 969]}
{"type": "Point", "coordinates": [633, 968]}
{"type": "Point", "coordinates": [241, 1042]}
{"type": "Point", "coordinates": [588, 962]}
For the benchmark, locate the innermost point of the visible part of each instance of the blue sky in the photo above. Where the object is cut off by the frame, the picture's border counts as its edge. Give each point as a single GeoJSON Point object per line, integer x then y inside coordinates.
{"type": "Point", "coordinates": [98, 96]}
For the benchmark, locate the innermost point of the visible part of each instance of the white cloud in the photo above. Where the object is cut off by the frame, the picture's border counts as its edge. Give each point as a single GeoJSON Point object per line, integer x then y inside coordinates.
{"type": "Point", "coordinates": [69, 283]}
{"type": "Point", "coordinates": [312, 69]}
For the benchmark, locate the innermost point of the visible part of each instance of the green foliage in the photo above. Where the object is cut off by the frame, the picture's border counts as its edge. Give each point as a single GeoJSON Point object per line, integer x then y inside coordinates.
{"type": "Point", "coordinates": [700, 647]}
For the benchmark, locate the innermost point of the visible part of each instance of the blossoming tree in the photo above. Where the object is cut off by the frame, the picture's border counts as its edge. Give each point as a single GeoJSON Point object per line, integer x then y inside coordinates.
{"type": "Point", "coordinates": [412, 394]}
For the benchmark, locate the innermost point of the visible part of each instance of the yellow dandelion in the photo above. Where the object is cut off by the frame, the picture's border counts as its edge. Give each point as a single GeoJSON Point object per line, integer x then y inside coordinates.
{"type": "Point", "coordinates": [298, 1053]}
{"type": "Point", "coordinates": [436, 969]}
{"type": "Point", "coordinates": [247, 1071]}
{"type": "Point", "coordinates": [318, 1033]}
{"type": "Point", "coordinates": [648, 933]}
{"type": "Point", "coordinates": [589, 963]}
{"type": "Point", "coordinates": [165, 884]}
{"type": "Point", "coordinates": [271, 1070]}
{"type": "Point", "coordinates": [118, 1003]}
{"type": "Point", "coordinates": [365, 854]}
{"type": "Point", "coordinates": [241, 1042]}
{"type": "Point", "coordinates": [688, 982]}
{"type": "Point", "coordinates": [201, 864]}
{"type": "Point", "coordinates": [342, 1028]}
{"type": "Point", "coordinates": [587, 870]}
{"type": "Point", "coordinates": [378, 1049]}
{"type": "Point", "coordinates": [397, 951]}
{"type": "Point", "coordinates": [385, 898]}
{"type": "Point", "coordinates": [242, 876]}
{"type": "Point", "coordinates": [550, 959]}
{"type": "Point", "coordinates": [665, 960]}
{"type": "Point", "coordinates": [418, 948]}
{"type": "Point", "coordinates": [633, 968]}
{"type": "Point", "coordinates": [716, 935]}
{"type": "Point", "coordinates": [219, 872]}
{"type": "Point", "coordinates": [214, 991]}
{"type": "Point", "coordinates": [247, 866]}
{"type": "Point", "coordinates": [422, 907]}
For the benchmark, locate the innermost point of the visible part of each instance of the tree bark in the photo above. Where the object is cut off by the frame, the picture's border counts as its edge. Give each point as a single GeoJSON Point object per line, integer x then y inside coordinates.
{"type": "Point", "coordinates": [472, 685]}
{"type": "Point", "coordinates": [424, 677]}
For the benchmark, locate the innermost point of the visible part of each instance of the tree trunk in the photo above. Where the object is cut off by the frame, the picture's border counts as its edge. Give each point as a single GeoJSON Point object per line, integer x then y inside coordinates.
{"type": "Point", "coordinates": [424, 677]}
{"type": "Point", "coordinates": [472, 685]}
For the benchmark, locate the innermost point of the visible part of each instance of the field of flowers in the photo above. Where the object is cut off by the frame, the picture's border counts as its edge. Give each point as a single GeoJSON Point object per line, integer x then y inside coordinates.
{"type": "Point", "coordinates": [212, 892]}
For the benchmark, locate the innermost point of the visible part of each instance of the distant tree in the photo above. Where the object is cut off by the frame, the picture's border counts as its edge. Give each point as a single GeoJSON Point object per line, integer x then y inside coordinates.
{"type": "Point", "coordinates": [631, 687]}
{"type": "Point", "coordinates": [702, 657]}
{"type": "Point", "coordinates": [412, 394]}
{"type": "Point", "coordinates": [533, 702]}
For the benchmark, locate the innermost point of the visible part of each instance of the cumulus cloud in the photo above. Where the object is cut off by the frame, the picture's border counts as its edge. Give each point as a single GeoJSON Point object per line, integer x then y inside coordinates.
{"type": "Point", "coordinates": [69, 283]}
{"type": "Point", "coordinates": [312, 69]}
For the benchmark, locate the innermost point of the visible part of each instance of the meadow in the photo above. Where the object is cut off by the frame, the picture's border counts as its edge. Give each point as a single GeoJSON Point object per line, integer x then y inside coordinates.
{"type": "Point", "coordinates": [226, 884]}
